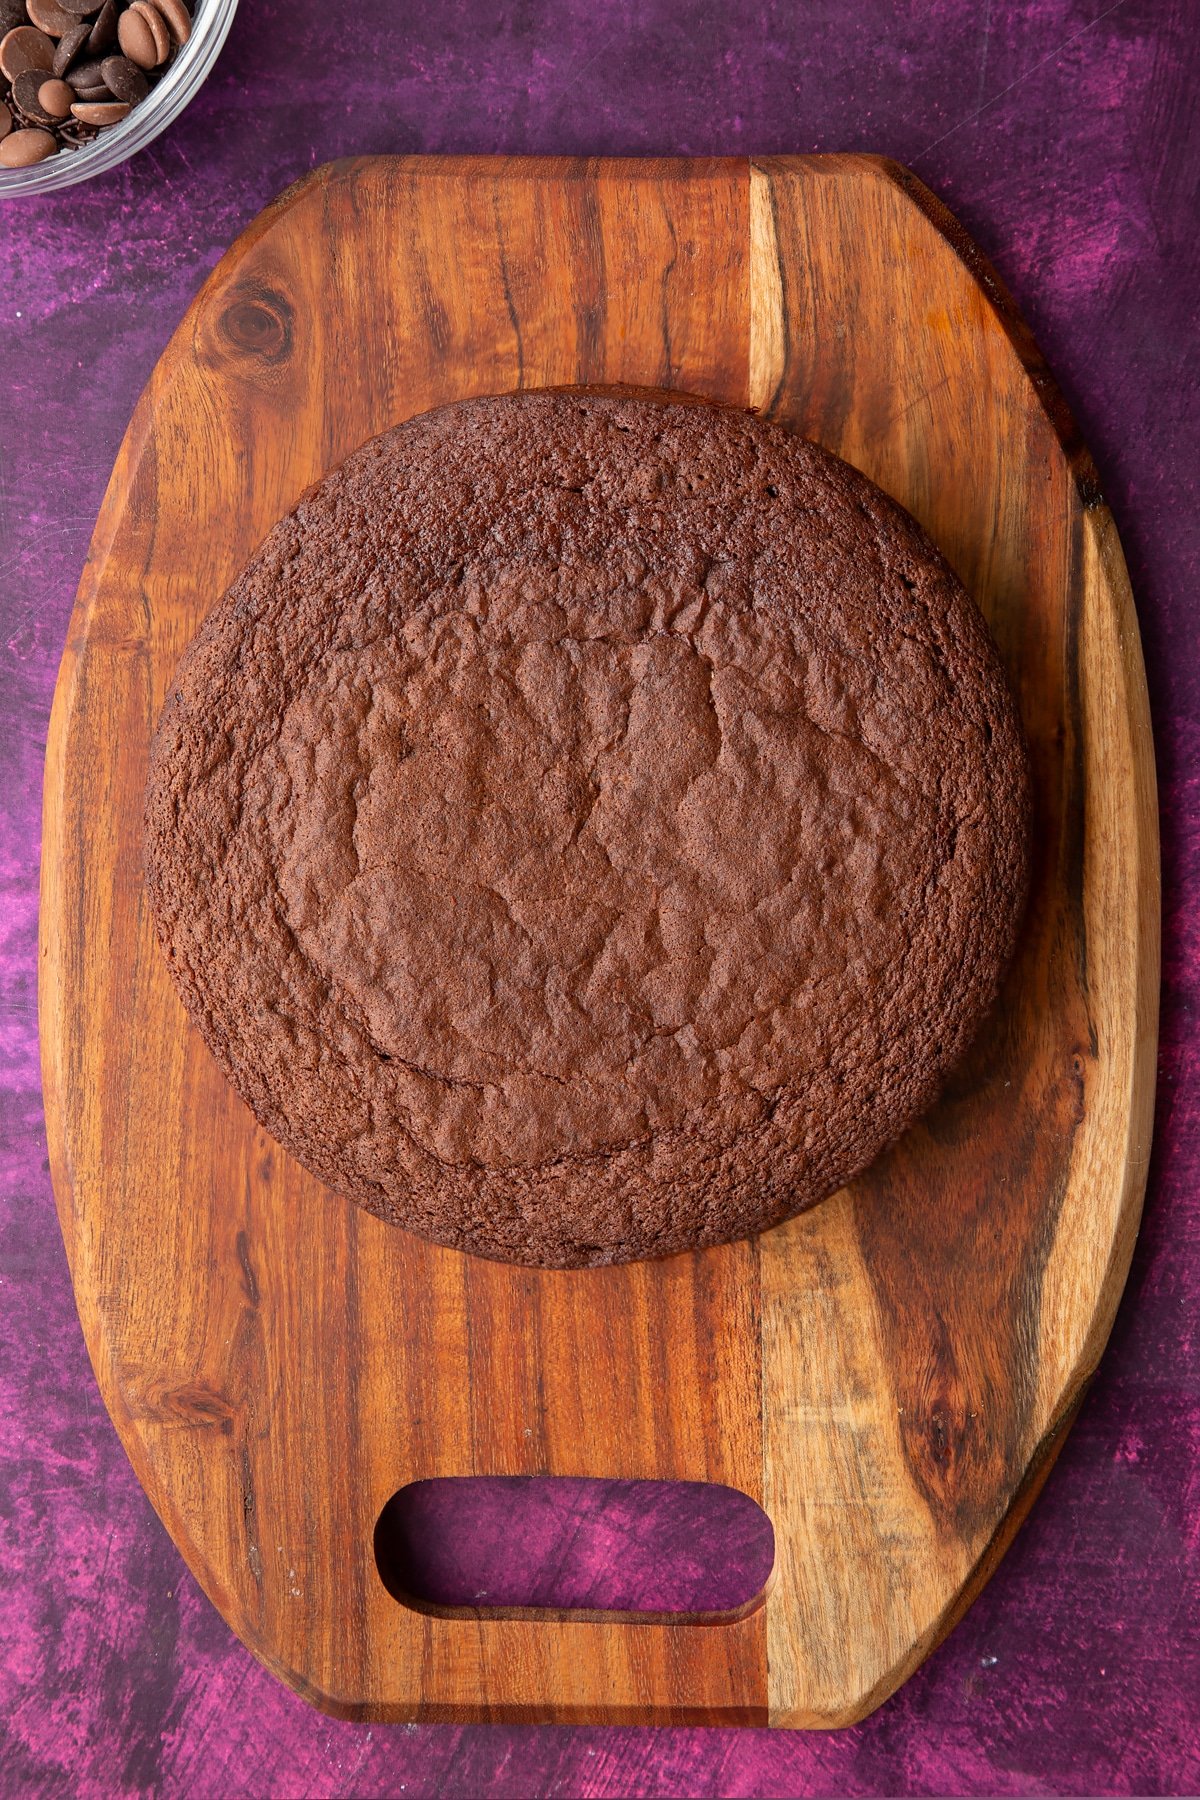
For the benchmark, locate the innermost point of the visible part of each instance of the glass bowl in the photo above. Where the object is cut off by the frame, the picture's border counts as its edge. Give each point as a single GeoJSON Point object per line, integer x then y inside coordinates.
{"type": "Point", "coordinates": [165, 101]}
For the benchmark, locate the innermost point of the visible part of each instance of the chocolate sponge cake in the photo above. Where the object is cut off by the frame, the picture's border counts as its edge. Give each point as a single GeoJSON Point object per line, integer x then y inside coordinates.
{"type": "Point", "coordinates": [590, 828]}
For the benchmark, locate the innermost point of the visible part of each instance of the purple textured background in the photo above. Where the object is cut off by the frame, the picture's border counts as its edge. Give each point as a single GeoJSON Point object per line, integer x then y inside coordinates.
{"type": "Point", "coordinates": [618, 1546]}
{"type": "Point", "coordinates": [1064, 133]}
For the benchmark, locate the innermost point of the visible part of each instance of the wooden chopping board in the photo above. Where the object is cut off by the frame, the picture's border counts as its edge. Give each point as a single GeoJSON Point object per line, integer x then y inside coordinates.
{"type": "Point", "coordinates": [891, 1375]}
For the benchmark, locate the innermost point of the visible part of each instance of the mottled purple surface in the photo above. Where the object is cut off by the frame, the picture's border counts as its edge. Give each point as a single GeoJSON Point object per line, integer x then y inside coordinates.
{"type": "Point", "coordinates": [1064, 134]}
{"type": "Point", "coordinates": [614, 1546]}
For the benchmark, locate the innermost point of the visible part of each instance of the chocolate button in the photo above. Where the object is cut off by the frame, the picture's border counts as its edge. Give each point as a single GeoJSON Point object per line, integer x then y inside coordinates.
{"type": "Point", "coordinates": [138, 38]}
{"type": "Point", "coordinates": [21, 149]}
{"type": "Point", "coordinates": [56, 99]}
{"type": "Point", "coordinates": [178, 19]}
{"type": "Point", "coordinates": [104, 31]}
{"type": "Point", "coordinates": [69, 46]}
{"type": "Point", "coordinates": [87, 74]}
{"type": "Point", "coordinates": [124, 79]}
{"type": "Point", "coordinates": [25, 97]}
{"type": "Point", "coordinates": [49, 17]}
{"type": "Point", "coordinates": [158, 27]}
{"type": "Point", "coordinates": [101, 112]}
{"type": "Point", "coordinates": [25, 48]}
{"type": "Point", "coordinates": [5, 120]}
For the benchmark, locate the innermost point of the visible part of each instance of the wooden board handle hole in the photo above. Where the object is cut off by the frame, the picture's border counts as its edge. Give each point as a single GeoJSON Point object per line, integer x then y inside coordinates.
{"type": "Point", "coordinates": [515, 1546]}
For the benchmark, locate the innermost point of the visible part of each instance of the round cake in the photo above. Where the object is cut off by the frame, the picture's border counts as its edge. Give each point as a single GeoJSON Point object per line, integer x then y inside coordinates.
{"type": "Point", "coordinates": [591, 827]}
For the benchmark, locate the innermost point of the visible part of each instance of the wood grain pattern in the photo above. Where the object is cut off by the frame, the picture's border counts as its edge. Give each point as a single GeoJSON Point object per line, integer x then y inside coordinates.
{"type": "Point", "coordinates": [989, 1244]}
{"type": "Point", "coordinates": [890, 1375]}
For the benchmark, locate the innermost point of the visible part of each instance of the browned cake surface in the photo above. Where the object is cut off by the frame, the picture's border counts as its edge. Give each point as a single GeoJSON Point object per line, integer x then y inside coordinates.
{"type": "Point", "coordinates": [590, 827]}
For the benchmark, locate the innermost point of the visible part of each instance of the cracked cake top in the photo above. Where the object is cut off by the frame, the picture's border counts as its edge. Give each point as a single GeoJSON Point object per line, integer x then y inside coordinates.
{"type": "Point", "coordinates": [591, 827]}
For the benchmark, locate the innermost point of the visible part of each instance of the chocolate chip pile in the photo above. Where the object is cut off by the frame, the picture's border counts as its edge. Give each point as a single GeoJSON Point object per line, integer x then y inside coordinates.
{"type": "Point", "coordinates": [71, 68]}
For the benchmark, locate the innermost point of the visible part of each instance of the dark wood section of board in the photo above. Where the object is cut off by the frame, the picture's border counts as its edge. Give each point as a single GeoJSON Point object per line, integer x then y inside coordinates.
{"type": "Point", "coordinates": [888, 1376]}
